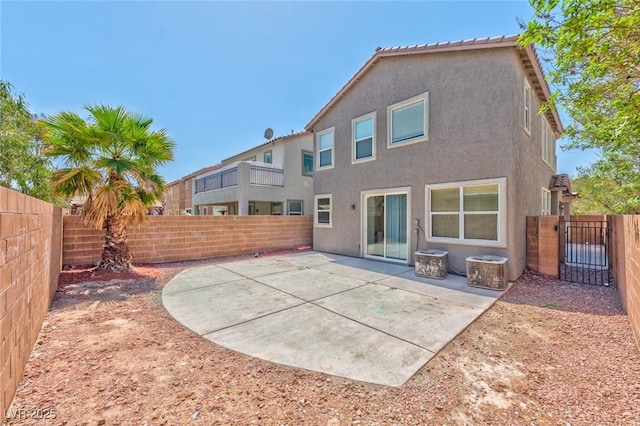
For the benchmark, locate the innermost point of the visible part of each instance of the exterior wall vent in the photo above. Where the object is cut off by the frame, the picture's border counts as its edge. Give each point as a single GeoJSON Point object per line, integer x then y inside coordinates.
{"type": "Point", "coordinates": [487, 272]}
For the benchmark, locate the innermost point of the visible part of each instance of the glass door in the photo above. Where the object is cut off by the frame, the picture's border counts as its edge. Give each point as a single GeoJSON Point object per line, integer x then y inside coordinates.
{"type": "Point", "coordinates": [386, 226]}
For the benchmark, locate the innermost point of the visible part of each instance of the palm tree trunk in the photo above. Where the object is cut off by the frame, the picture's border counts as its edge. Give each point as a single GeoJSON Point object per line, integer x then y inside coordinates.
{"type": "Point", "coordinates": [116, 255]}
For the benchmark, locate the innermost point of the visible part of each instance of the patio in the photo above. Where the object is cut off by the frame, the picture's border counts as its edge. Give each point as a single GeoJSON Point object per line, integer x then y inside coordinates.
{"type": "Point", "coordinates": [355, 318]}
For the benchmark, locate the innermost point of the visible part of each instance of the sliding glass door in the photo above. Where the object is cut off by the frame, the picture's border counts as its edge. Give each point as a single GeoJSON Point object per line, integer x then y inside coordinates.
{"type": "Point", "coordinates": [386, 226]}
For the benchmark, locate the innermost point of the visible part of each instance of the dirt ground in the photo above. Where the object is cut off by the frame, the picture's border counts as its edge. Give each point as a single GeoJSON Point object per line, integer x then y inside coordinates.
{"type": "Point", "coordinates": [547, 353]}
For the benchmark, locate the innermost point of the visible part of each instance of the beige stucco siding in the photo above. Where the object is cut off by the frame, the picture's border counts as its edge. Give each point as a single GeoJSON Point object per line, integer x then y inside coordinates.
{"type": "Point", "coordinates": [475, 132]}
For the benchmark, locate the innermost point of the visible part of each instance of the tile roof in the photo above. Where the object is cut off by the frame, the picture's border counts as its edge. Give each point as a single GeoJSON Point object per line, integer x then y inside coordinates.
{"type": "Point", "coordinates": [563, 182]}
{"type": "Point", "coordinates": [528, 56]}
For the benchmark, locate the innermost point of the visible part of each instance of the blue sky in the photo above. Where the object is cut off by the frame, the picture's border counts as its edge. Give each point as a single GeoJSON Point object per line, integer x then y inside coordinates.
{"type": "Point", "coordinates": [217, 74]}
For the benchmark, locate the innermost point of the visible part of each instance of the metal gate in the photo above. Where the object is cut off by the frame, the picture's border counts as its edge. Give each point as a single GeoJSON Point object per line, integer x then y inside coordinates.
{"type": "Point", "coordinates": [585, 252]}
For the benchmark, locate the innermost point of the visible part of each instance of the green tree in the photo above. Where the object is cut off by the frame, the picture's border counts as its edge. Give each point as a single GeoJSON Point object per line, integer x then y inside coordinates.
{"type": "Point", "coordinates": [23, 166]}
{"type": "Point", "coordinates": [595, 71]}
{"type": "Point", "coordinates": [112, 159]}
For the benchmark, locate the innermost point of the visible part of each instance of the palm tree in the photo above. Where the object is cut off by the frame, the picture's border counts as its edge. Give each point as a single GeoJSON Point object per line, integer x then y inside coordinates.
{"type": "Point", "coordinates": [112, 159]}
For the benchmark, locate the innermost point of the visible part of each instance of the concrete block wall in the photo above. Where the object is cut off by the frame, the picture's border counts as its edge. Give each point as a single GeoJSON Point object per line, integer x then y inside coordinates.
{"type": "Point", "coordinates": [175, 238]}
{"type": "Point", "coordinates": [30, 260]}
{"type": "Point", "coordinates": [543, 244]}
{"type": "Point", "coordinates": [625, 237]}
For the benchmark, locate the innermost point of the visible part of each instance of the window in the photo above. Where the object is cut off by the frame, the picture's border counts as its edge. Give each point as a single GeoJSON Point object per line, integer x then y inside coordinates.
{"type": "Point", "coordinates": [276, 208]}
{"type": "Point", "coordinates": [268, 157]}
{"type": "Point", "coordinates": [408, 121]}
{"type": "Point", "coordinates": [323, 210]}
{"type": "Point", "coordinates": [294, 208]}
{"type": "Point", "coordinates": [527, 107]}
{"type": "Point", "coordinates": [325, 149]}
{"type": "Point", "coordinates": [471, 212]}
{"type": "Point", "coordinates": [204, 211]}
{"type": "Point", "coordinates": [363, 141]}
{"type": "Point", "coordinates": [546, 202]}
{"type": "Point", "coordinates": [307, 163]}
{"type": "Point", "coordinates": [548, 144]}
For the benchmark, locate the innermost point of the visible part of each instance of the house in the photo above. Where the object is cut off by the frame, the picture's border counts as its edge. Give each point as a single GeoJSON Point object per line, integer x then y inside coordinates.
{"type": "Point", "coordinates": [274, 178]}
{"type": "Point", "coordinates": [437, 146]}
{"type": "Point", "coordinates": [178, 195]}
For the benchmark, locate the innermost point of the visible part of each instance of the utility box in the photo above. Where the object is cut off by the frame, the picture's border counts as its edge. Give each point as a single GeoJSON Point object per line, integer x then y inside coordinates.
{"type": "Point", "coordinates": [432, 264]}
{"type": "Point", "coordinates": [487, 271]}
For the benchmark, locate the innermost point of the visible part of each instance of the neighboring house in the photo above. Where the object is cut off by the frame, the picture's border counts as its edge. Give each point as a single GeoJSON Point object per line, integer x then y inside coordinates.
{"type": "Point", "coordinates": [178, 195]}
{"type": "Point", "coordinates": [274, 178]}
{"type": "Point", "coordinates": [437, 146]}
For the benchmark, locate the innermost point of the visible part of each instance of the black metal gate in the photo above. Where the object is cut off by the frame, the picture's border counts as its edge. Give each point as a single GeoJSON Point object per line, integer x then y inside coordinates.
{"type": "Point", "coordinates": [585, 252]}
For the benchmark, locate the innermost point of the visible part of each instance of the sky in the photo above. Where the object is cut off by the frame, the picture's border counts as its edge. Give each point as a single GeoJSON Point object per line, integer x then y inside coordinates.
{"type": "Point", "coordinates": [215, 75]}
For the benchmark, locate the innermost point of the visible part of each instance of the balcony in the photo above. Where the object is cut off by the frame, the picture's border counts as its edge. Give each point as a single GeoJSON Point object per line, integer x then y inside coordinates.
{"type": "Point", "coordinates": [254, 173]}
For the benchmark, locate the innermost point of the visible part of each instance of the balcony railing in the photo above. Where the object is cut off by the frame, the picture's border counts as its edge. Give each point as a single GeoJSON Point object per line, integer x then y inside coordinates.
{"type": "Point", "coordinates": [218, 180]}
{"type": "Point", "coordinates": [259, 175]}
{"type": "Point", "coordinates": [266, 175]}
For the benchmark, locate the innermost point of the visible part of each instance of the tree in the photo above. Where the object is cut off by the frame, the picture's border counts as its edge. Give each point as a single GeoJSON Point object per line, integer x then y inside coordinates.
{"type": "Point", "coordinates": [595, 71]}
{"type": "Point", "coordinates": [112, 159]}
{"type": "Point", "coordinates": [23, 166]}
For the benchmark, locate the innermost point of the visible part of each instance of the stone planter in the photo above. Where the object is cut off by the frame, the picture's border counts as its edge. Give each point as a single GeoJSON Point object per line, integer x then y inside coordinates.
{"type": "Point", "coordinates": [432, 264]}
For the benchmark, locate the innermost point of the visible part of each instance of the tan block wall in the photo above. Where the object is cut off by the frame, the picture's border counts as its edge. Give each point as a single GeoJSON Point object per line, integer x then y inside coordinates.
{"type": "Point", "coordinates": [542, 244]}
{"type": "Point", "coordinates": [174, 238]}
{"type": "Point", "coordinates": [625, 237]}
{"type": "Point", "coordinates": [30, 260]}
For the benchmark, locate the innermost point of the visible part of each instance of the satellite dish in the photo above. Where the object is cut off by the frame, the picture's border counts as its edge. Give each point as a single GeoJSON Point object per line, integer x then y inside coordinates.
{"type": "Point", "coordinates": [268, 134]}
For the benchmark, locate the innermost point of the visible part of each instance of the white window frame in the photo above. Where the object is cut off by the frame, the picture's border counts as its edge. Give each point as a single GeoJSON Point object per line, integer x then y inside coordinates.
{"type": "Point", "coordinates": [333, 149]}
{"type": "Point", "coordinates": [546, 202]}
{"type": "Point", "coordinates": [423, 97]}
{"type": "Point", "coordinates": [527, 95]}
{"type": "Point", "coordinates": [315, 211]}
{"type": "Point", "coordinates": [264, 157]}
{"type": "Point", "coordinates": [548, 144]}
{"type": "Point", "coordinates": [501, 212]}
{"type": "Point", "coordinates": [289, 213]}
{"type": "Point", "coordinates": [354, 141]}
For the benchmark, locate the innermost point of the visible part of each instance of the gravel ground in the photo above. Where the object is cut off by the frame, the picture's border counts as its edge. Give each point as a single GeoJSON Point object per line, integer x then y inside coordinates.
{"type": "Point", "coordinates": [547, 353]}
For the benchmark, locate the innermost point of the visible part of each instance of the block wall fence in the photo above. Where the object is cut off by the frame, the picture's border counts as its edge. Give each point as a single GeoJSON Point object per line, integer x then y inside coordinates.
{"type": "Point", "coordinates": [30, 261]}
{"type": "Point", "coordinates": [174, 238]}
{"type": "Point", "coordinates": [543, 255]}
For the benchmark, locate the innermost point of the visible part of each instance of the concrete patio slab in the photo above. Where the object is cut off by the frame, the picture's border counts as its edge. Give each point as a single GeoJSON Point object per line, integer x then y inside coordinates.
{"type": "Point", "coordinates": [312, 338]}
{"type": "Point", "coordinates": [378, 271]}
{"type": "Point", "coordinates": [310, 284]}
{"type": "Point", "coordinates": [222, 305]}
{"type": "Point", "coordinates": [258, 267]}
{"type": "Point", "coordinates": [453, 289]}
{"type": "Point", "coordinates": [355, 318]}
{"type": "Point", "coordinates": [425, 321]}
{"type": "Point", "coordinates": [205, 276]}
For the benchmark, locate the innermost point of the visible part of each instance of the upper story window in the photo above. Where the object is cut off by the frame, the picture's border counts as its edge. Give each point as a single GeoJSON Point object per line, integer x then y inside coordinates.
{"type": "Point", "coordinates": [363, 138]}
{"type": "Point", "coordinates": [323, 210]}
{"type": "Point", "coordinates": [546, 202]}
{"type": "Point", "coordinates": [527, 107]}
{"type": "Point", "coordinates": [307, 163]}
{"type": "Point", "coordinates": [268, 157]}
{"type": "Point", "coordinates": [326, 156]}
{"type": "Point", "coordinates": [548, 144]}
{"type": "Point", "coordinates": [408, 121]}
{"type": "Point", "coordinates": [471, 212]}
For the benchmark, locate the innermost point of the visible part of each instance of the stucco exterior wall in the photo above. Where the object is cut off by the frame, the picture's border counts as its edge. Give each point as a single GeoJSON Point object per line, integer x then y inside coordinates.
{"type": "Point", "coordinates": [475, 122]}
{"type": "Point", "coordinates": [531, 173]}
